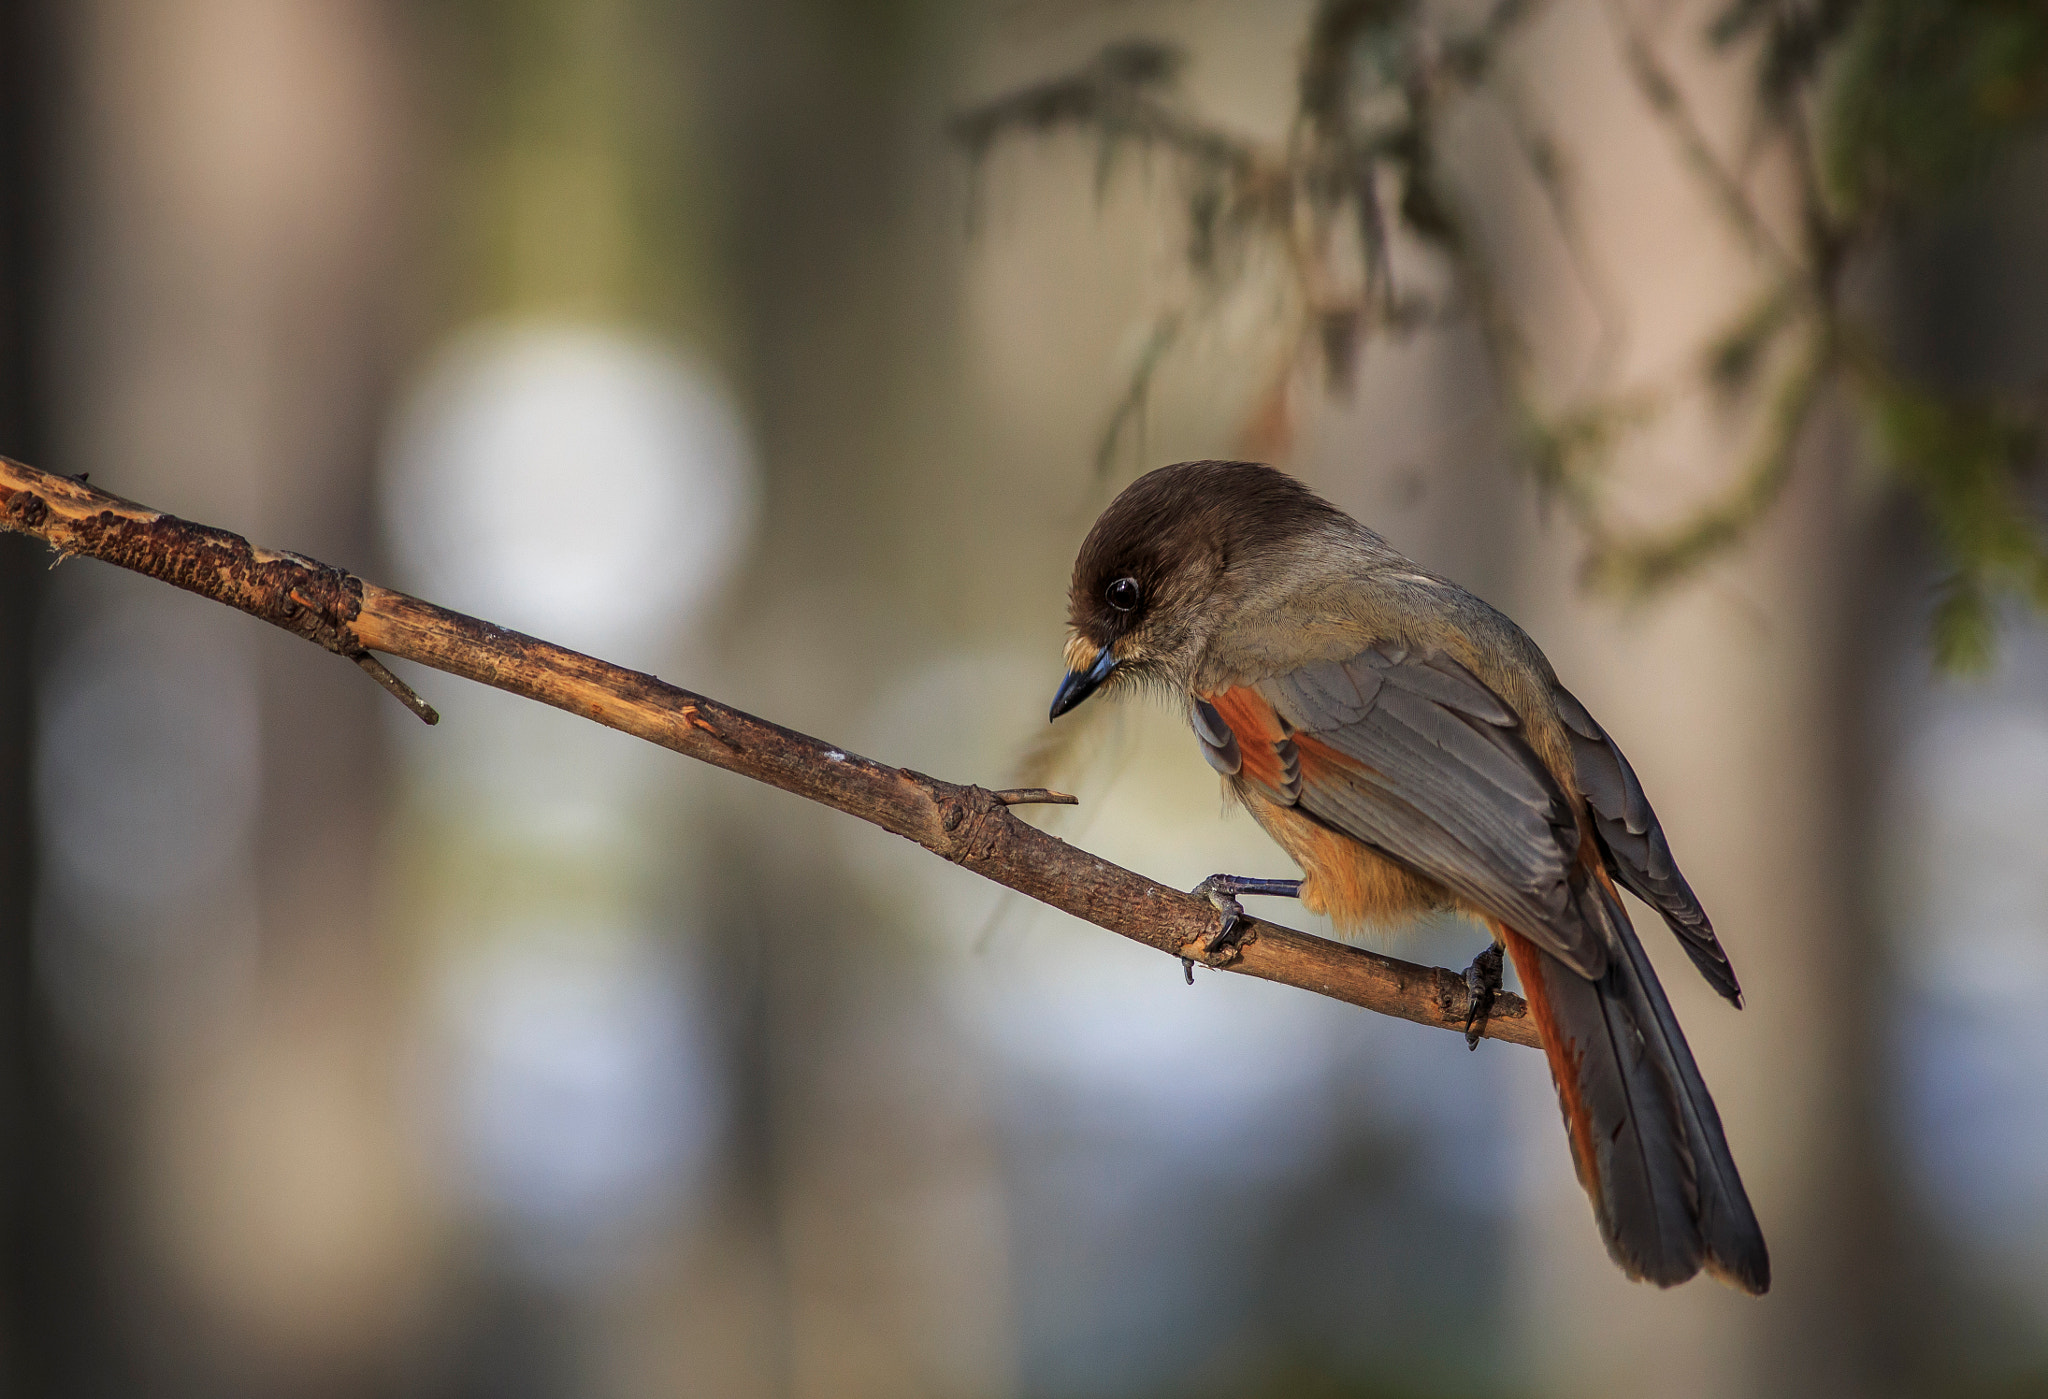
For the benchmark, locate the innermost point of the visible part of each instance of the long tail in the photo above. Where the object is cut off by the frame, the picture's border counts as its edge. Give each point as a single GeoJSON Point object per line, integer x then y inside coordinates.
{"type": "Point", "coordinates": [1644, 1133]}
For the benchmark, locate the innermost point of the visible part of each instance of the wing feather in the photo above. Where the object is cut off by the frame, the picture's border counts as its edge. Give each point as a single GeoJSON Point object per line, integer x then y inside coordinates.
{"type": "Point", "coordinates": [1413, 755]}
{"type": "Point", "coordinates": [1637, 853]}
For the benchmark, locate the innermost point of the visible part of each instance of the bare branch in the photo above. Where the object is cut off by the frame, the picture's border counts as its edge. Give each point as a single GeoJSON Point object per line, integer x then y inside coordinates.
{"type": "Point", "coordinates": [970, 826]}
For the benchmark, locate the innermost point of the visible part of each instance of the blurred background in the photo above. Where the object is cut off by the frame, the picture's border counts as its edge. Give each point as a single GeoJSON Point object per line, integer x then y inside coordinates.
{"type": "Point", "coordinates": [787, 348]}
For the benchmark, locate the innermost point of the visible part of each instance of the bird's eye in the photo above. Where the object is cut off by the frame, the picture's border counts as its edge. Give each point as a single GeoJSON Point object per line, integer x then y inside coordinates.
{"type": "Point", "coordinates": [1123, 594]}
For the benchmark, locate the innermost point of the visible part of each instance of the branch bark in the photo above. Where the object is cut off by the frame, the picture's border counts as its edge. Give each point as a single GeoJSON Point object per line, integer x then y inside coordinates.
{"type": "Point", "coordinates": [970, 826]}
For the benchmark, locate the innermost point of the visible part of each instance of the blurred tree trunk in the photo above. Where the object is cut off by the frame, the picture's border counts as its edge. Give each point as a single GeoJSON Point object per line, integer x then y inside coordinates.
{"type": "Point", "coordinates": [54, 1316]}
{"type": "Point", "coordinates": [1740, 699]}
{"type": "Point", "coordinates": [227, 295]}
{"type": "Point", "coordinates": [874, 1154]}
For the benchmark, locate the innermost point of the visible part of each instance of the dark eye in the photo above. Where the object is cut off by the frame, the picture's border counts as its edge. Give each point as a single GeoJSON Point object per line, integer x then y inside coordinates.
{"type": "Point", "coordinates": [1123, 594]}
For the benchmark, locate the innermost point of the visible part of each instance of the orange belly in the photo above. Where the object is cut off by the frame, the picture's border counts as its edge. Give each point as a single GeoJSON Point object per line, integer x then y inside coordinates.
{"type": "Point", "coordinates": [1346, 882]}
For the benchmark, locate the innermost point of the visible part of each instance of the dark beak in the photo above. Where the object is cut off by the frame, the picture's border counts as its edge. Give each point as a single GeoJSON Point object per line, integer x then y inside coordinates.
{"type": "Point", "coordinates": [1080, 684]}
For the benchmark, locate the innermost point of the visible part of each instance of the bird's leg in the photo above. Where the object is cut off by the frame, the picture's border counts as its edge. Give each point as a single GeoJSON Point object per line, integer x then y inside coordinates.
{"type": "Point", "coordinates": [1222, 891]}
{"type": "Point", "coordinates": [1482, 984]}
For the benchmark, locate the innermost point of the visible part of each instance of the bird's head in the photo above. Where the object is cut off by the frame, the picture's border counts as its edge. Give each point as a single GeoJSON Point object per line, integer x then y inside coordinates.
{"type": "Point", "coordinates": [1168, 562]}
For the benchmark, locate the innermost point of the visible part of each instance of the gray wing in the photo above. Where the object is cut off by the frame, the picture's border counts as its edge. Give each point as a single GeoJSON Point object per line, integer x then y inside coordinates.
{"type": "Point", "coordinates": [1637, 854]}
{"type": "Point", "coordinates": [1414, 756]}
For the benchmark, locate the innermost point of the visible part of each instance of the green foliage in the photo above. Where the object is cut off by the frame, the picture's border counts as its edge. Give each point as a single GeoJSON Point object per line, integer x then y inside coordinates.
{"type": "Point", "coordinates": [1883, 108]}
{"type": "Point", "coordinates": [1374, 80]}
{"type": "Point", "coordinates": [1921, 99]}
{"type": "Point", "coordinates": [1967, 461]}
{"type": "Point", "coordinates": [1928, 95]}
{"type": "Point", "coordinates": [1643, 565]}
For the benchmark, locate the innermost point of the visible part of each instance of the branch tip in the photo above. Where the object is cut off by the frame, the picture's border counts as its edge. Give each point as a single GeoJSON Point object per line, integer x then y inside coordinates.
{"type": "Point", "coordinates": [1035, 796]}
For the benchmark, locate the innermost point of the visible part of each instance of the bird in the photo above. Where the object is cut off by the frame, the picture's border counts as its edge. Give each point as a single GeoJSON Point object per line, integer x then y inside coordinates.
{"type": "Point", "coordinates": [1413, 751]}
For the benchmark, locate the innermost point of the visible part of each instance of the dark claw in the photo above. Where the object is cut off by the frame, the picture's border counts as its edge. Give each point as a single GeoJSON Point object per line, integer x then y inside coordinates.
{"type": "Point", "coordinates": [1482, 984]}
{"type": "Point", "coordinates": [1226, 934]}
{"type": "Point", "coordinates": [1222, 890]}
{"type": "Point", "coordinates": [1187, 969]}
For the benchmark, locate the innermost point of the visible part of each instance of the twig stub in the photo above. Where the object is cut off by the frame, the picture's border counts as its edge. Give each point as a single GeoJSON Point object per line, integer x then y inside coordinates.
{"type": "Point", "coordinates": [1039, 796]}
{"type": "Point", "coordinates": [402, 692]}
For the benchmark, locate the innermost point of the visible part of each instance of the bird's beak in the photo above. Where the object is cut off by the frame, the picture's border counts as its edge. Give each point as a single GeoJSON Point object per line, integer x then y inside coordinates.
{"type": "Point", "coordinates": [1080, 684]}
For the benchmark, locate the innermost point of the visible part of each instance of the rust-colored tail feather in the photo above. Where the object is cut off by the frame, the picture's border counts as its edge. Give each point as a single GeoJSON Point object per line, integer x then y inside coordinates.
{"type": "Point", "coordinates": [1645, 1136]}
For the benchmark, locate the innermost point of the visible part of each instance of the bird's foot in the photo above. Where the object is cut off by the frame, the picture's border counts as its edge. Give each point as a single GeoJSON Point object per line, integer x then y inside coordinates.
{"type": "Point", "coordinates": [1222, 891]}
{"type": "Point", "coordinates": [1482, 984]}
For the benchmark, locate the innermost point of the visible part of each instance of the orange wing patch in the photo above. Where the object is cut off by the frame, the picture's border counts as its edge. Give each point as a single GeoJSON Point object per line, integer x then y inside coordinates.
{"type": "Point", "coordinates": [1349, 882]}
{"type": "Point", "coordinates": [1320, 762]}
{"type": "Point", "coordinates": [1259, 734]}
